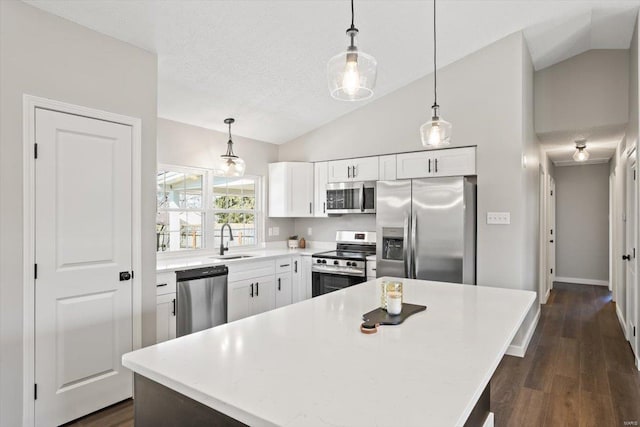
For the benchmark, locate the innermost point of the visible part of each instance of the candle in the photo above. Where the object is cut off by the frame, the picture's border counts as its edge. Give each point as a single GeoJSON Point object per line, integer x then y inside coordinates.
{"type": "Point", "coordinates": [394, 303]}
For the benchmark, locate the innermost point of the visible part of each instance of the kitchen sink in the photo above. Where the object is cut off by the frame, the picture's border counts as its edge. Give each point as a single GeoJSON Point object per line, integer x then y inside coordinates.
{"type": "Point", "coordinates": [231, 256]}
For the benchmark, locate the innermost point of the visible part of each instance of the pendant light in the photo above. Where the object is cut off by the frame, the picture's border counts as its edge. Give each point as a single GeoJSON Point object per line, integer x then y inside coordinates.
{"type": "Point", "coordinates": [436, 132]}
{"type": "Point", "coordinates": [352, 73]}
{"type": "Point", "coordinates": [229, 164]}
{"type": "Point", "coordinates": [581, 154]}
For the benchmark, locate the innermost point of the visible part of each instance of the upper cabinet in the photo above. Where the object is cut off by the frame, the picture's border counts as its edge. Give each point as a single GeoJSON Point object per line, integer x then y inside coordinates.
{"type": "Point", "coordinates": [291, 189]}
{"type": "Point", "coordinates": [361, 169]}
{"type": "Point", "coordinates": [449, 162]}
{"type": "Point", "coordinates": [320, 179]}
{"type": "Point", "coordinates": [387, 167]}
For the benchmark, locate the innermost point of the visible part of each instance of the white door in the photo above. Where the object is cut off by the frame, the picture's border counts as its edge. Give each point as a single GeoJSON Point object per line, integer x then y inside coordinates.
{"type": "Point", "coordinates": [283, 289]}
{"type": "Point", "coordinates": [551, 234]}
{"type": "Point", "coordinates": [630, 242]}
{"type": "Point", "coordinates": [454, 162]}
{"type": "Point", "coordinates": [320, 179]}
{"type": "Point", "coordinates": [387, 168]}
{"type": "Point", "coordinates": [340, 170]}
{"type": "Point", "coordinates": [301, 187]}
{"type": "Point", "coordinates": [365, 169]}
{"type": "Point", "coordinates": [165, 317]}
{"type": "Point", "coordinates": [264, 298]}
{"type": "Point", "coordinates": [239, 300]}
{"type": "Point", "coordinates": [83, 320]}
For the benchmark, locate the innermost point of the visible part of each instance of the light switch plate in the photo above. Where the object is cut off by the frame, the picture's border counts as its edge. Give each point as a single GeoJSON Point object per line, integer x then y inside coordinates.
{"type": "Point", "coordinates": [270, 231]}
{"type": "Point", "coordinates": [276, 231]}
{"type": "Point", "coordinates": [498, 218]}
{"type": "Point", "coordinates": [309, 231]}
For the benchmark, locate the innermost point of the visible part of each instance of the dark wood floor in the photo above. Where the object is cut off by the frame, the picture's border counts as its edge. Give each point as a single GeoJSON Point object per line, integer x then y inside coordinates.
{"type": "Point", "coordinates": [578, 370]}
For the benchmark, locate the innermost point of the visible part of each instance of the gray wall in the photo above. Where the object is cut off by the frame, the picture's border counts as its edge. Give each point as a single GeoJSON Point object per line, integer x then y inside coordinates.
{"type": "Point", "coordinates": [186, 145]}
{"type": "Point", "coordinates": [324, 229]}
{"type": "Point", "coordinates": [586, 91]}
{"type": "Point", "coordinates": [488, 98]}
{"type": "Point", "coordinates": [47, 56]}
{"type": "Point", "coordinates": [582, 222]}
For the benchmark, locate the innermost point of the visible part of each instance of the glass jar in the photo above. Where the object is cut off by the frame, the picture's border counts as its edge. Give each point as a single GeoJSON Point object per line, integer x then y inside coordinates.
{"type": "Point", "coordinates": [389, 286]}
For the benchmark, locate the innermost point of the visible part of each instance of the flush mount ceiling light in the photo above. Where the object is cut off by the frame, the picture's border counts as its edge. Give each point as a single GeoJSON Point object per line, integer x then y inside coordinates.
{"type": "Point", "coordinates": [352, 73]}
{"type": "Point", "coordinates": [229, 164]}
{"type": "Point", "coordinates": [436, 132]}
{"type": "Point", "coordinates": [581, 154]}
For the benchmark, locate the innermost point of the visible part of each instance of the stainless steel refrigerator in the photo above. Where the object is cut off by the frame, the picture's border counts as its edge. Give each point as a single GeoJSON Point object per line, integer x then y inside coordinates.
{"type": "Point", "coordinates": [426, 229]}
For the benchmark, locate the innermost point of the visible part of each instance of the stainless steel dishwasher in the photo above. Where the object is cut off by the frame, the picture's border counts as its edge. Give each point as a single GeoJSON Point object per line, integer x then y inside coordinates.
{"type": "Point", "coordinates": [201, 299]}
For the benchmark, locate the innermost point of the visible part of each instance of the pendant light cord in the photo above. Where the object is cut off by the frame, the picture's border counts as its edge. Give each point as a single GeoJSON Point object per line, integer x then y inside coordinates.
{"type": "Point", "coordinates": [352, 15]}
{"type": "Point", "coordinates": [435, 66]}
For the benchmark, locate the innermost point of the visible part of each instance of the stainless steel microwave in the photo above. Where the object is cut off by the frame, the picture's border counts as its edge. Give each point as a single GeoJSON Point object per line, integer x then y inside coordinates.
{"type": "Point", "coordinates": [351, 197]}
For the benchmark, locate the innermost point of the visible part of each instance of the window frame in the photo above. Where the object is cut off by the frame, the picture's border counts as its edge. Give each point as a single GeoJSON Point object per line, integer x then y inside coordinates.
{"type": "Point", "coordinates": [209, 211]}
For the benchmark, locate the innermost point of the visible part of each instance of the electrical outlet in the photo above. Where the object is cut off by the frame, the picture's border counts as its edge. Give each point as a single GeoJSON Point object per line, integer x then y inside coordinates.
{"type": "Point", "coordinates": [499, 218]}
{"type": "Point", "coordinates": [309, 231]}
{"type": "Point", "coordinates": [276, 231]}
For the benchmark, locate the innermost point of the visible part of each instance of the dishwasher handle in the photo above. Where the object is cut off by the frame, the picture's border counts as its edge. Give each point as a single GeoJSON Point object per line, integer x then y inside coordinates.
{"type": "Point", "coordinates": [201, 273]}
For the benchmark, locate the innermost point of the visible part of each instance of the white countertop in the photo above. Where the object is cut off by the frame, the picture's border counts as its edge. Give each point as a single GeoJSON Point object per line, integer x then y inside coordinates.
{"type": "Point", "coordinates": [206, 260]}
{"type": "Point", "coordinates": [308, 364]}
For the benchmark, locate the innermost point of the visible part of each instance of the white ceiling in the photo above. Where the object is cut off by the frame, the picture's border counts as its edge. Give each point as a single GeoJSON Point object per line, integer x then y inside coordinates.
{"type": "Point", "coordinates": [263, 62]}
{"type": "Point", "coordinates": [601, 143]}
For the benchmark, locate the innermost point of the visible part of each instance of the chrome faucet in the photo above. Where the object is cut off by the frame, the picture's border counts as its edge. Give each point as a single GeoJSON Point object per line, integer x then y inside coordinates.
{"type": "Point", "coordinates": [222, 248]}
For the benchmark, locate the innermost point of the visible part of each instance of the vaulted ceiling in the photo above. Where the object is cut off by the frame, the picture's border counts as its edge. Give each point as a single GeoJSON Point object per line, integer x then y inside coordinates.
{"type": "Point", "coordinates": [263, 62]}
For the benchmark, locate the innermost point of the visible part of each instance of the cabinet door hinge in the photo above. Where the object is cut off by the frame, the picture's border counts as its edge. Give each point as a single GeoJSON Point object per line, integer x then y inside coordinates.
{"type": "Point", "coordinates": [552, 192]}
{"type": "Point", "coordinates": [35, 271]}
{"type": "Point", "coordinates": [35, 392]}
{"type": "Point", "coordinates": [552, 271]}
{"type": "Point", "coordinates": [634, 331]}
{"type": "Point", "coordinates": [35, 151]}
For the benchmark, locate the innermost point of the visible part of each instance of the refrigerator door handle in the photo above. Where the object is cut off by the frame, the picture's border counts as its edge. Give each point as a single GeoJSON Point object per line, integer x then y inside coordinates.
{"type": "Point", "coordinates": [405, 247]}
{"type": "Point", "coordinates": [361, 198]}
{"type": "Point", "coordinates": [414, 228]}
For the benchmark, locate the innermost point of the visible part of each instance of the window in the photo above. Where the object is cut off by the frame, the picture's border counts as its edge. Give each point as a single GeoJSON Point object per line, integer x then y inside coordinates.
{"type": "Point", "coordinates": [193, 205]}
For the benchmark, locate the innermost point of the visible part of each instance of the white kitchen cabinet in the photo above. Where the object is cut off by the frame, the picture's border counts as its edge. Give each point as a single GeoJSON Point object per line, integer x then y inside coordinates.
{"type": "Point", "coordinates": [434, 163]}
{"type": "Point", "coordinates": [284, 288]}
{"type": "Point", "coordinates": [387, 167]}
{"type": "Point", "coordinates": [320, 180]}
{"type": "Point", "coordinates": [165, 317]}
{"type": "Point", "coordinates": [360, 169]}
{"type": "Point", "coordinates": [250, 296]}
{"type": "Point", "coordinates": [291, 189]}
{"type": "Point", "coordinates": [306, 288]}
{"type": "Point", "coordinates": [297, 291]}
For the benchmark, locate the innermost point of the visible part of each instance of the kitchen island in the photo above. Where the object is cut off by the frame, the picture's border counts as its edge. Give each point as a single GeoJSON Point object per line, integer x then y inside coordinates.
{"type": "Point", "coordinates": [308, 364]}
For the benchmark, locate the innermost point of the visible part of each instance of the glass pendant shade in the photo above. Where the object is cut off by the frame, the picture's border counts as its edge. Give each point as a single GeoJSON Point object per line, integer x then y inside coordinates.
{"type": "Point", "coordinates": [581, 154]}
{"type": "Point", "coordinates": [352, 75]}
{"type": "Point", "coordinates": [436, 132]}
{"type": "Point", "coordinates": [231, 166]}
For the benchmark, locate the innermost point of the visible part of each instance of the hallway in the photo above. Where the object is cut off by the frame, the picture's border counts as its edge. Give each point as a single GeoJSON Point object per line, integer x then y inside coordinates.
{"type": "Point", "coordinates": [578, 370]}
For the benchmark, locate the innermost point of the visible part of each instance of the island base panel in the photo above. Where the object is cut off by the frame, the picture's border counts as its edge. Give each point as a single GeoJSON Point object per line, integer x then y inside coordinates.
{"type": "Point", "coordinates": [480, 412]}
{"type": "Point", "coordinates": [158, 406]}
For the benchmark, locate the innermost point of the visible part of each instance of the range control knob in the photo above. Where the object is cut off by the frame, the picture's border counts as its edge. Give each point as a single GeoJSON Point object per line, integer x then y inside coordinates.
{"type": "Point", "coordinates": [349, 263]}
{"type": "Point", "coordinates": [319, 261]}
{"type": "Point", "coordinates": [335, 262]}
{"type": "Point", "coordinates": [324, 261]}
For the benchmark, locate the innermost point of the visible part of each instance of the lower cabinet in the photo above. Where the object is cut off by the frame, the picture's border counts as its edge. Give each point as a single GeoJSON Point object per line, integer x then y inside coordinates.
{"type": "Point", "coordinates": [306, 279]}
{"type": "Point", "coordinates": [165, 317]}
{"type": "Point", "coordinates": [250, 296]}
{"type": "Point", "coordinates": [284, 289]}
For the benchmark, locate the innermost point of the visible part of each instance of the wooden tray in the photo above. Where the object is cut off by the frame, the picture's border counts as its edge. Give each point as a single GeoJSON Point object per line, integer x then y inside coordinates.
{"type": "Point", "coordinates": [381, 317]}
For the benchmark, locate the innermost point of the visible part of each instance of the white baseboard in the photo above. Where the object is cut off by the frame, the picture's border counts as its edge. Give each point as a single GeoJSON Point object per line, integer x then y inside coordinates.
{"type": "Point", "coordinates": [489, 421]}
{"type": "Point", "coordinates": [622, 321]}
{"type": "Point", "coordinates": [521, 350]}
{"type": "Point", "coordinates": [580, 281]}
{"type": "Point", "coordinates": [545, 298]}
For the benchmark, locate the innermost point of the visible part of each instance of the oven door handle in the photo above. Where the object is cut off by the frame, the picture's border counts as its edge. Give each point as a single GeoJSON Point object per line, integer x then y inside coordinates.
{"type": "Point", "coordinates": [338, 272]}
{"type": "Point", "coordinates": [362, 198]}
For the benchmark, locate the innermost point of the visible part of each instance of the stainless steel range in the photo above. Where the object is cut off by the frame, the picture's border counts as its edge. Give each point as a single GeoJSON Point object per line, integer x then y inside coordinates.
{"type": "Point", "coordinates": [347, 265]}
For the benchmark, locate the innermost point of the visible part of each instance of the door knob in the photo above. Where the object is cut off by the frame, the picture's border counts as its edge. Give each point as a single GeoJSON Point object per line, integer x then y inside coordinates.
{"type": "Point", "coordinates": [626, 257]}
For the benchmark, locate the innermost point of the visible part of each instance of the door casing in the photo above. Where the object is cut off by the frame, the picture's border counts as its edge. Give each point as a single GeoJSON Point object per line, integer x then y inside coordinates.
{"type": "Point", "coordinates": [30, 103]}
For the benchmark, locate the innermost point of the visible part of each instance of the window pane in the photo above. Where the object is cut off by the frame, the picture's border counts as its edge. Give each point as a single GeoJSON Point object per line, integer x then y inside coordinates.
{"type": "Point", "coordinates": [193, 191]}
{"type": "Point", "coordinates": [178, 230]}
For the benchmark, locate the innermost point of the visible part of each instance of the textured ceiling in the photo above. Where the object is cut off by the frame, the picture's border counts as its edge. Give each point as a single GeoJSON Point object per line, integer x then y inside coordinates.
{"type": "Point", "coordinates": [263, 62]}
